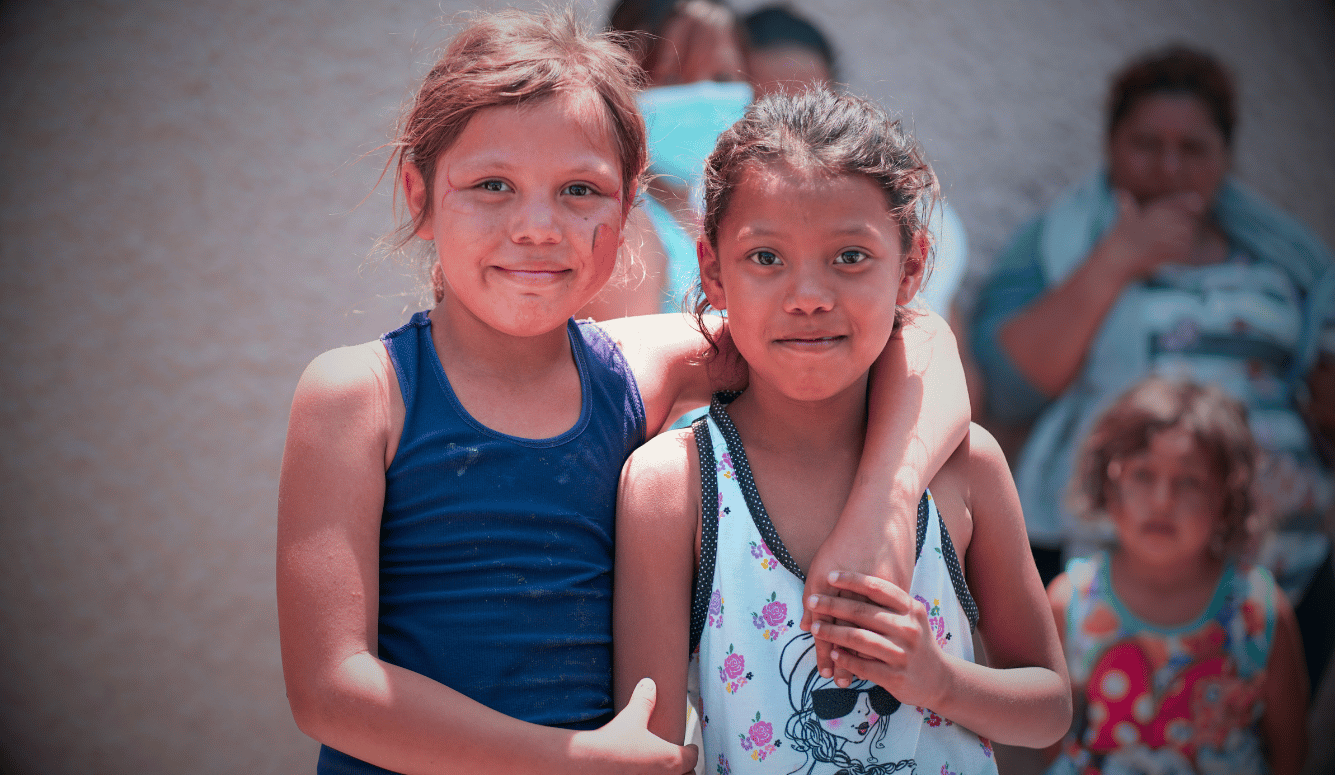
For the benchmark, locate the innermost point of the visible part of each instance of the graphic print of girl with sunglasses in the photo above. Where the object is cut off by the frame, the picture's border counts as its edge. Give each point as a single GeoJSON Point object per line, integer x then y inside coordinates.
{"type": "Point", "coordinates": [829, 720]}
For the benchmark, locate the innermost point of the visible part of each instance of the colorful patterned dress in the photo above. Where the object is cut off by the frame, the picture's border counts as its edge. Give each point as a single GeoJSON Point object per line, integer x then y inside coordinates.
{"type": "Point", "coordinates": [763, 706]}
{"type": "Point", "coordinates": [1169, 700]}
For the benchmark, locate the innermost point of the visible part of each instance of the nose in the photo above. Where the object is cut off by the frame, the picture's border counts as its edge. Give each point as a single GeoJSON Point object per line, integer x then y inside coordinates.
{"type": "Point", "coordinates": [536, 223]}
{"type": "Point", "coordinates": [809, 289]}
{"type": "Point", "coordinates": [1170, 163]}
{"type": "Point", "coordinates": [1161, 493]}
{"type": "Point", "coordinates": [863, 708]}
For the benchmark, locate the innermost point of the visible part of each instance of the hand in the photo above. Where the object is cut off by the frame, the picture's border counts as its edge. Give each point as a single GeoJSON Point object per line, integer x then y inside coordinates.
{"type": "Point", "coordinates": [625, 744]}
{"type": "Point", "coordinates": [1164, 231]}
{"type": "Point", "coordinates": [892, 560]}
{"type": "Point", "coordinates": [887, 640]}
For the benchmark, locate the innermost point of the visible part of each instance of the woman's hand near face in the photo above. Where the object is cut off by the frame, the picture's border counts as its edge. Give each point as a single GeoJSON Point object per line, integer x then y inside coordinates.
{"type": "Point", "coordinates": [1163, 231]}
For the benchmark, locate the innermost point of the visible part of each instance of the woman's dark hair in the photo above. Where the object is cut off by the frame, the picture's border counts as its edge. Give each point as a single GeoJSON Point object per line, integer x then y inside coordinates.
{"type": "Point", "coordinates": [1176, 70]}
{"type": "Point", "coordinates": [823, 131]}
{"type": "Point", "coordinates": [1216, 421]}
{"type": "Point", "coordinates": [780, 25]}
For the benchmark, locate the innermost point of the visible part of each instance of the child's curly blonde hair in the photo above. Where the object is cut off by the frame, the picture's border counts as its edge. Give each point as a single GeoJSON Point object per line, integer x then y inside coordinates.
{"type": "Point", "coordinates": [1217, 422]}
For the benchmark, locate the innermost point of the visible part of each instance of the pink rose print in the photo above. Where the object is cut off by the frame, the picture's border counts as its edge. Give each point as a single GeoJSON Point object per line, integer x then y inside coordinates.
{"type": "Point", "coordinates": [772, 619]}
{"type": "Point", "coordinates": [759, 739]}
{"type": "Point", "coordinates": [761, 732]}
{"type": "Point", "coordinates": [731, 673]}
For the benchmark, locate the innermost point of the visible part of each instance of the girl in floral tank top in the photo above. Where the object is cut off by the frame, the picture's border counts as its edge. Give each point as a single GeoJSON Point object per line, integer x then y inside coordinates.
{"type": "Point", "coordinates": [1183, 659]}
{"type": "Point", "coordinates": [813, 240]}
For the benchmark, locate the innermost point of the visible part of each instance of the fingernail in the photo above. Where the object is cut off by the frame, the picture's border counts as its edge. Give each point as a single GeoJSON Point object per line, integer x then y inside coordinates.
{"type": "Point", "coordinates": [826, 673]}
{"type": "Point", "coordinates": [815, 628]}
{"type": "Point", "coordinates": [835, 655]}
{"type": "Point", "coordinates": [834, 576]}
{"type": "Point", "coordinates": [813, 601]}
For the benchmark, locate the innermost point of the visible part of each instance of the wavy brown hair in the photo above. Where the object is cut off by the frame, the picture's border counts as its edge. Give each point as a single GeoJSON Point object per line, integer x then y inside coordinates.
{"type": "Point", "coordinates": [1216, 421]}
{"type": "Point", "coordinates": [510, 58]}
{"type": "Point", "coordinates": [828, 132]}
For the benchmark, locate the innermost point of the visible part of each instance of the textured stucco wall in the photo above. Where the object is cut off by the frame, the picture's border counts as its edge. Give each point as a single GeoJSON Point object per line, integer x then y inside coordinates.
{"type": "Point", "coordinates": [182, 228]}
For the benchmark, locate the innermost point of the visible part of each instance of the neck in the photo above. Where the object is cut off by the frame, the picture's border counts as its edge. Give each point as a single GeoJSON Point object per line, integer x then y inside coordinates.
{"type": "Point", "coordinates": [767, 418]}
{"type": "Point", "coordinates": [1168, 579]}
{"type": "Point", "coordinates": [467, 344]}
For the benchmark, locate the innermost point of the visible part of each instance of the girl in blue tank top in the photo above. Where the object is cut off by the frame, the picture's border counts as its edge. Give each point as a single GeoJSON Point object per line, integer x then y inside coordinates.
{"type": "Point", "coordinates": [814, 240]}
{"type": "Point", "coordinates": [446, 504]}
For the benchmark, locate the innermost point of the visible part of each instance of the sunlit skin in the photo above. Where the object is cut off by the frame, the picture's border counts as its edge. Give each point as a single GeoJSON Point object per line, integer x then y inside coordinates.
{"type": "Point", "coordinates": [808, 260]}
{"type": "Point", "coordinates": [1168, 144]}
{"type": "Point", "coordinates": [1166, 503]}
{"type": "Point", "coordinates": [517, 201]}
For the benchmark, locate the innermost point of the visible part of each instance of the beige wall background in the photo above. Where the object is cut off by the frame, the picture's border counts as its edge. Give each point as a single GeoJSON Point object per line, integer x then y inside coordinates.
{"type": "Point", "coordinates": [185, 221]}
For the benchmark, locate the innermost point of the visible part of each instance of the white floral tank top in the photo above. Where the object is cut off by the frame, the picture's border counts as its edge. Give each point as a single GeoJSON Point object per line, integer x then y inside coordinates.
{"type": "Point", "coordinates": [763, 707]}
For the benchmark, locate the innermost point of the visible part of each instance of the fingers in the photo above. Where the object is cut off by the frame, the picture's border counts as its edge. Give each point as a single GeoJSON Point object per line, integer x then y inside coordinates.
{"type": "Point", "coordinates": [689, 756]}
{"type": "Point", "coordinates": [1188, 202]}
{"type": "Point", "coordinates": [868, 644]}
{"type": "Point", "coordinates": [877, 590]}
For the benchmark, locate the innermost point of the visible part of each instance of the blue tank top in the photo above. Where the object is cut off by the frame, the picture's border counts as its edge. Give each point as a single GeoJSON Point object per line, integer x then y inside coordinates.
{"type": "Point", "coordinates": [496, 551]}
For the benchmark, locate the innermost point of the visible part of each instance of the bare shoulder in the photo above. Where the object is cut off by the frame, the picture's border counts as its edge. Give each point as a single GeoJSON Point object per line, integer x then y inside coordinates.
{"type": "Point", "coordinates": [351, 392]}
{"type": "Point", "coordinates": [986, 459]}
{"type": "Point", "coordinates": [355, 371]}
{"type": "Point", "coordinates": [661, 477]}
{"type": "Point", "coordinates": [973, 474]}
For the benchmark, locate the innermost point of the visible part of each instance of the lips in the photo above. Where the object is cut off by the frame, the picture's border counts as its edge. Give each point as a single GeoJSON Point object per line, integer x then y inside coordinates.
{"type": "Point", "coordinates": [862, 728]}
{"type": "Point", "coordinates": [811, 340]}
{"type": "Point", "coordinates": [529, 275]}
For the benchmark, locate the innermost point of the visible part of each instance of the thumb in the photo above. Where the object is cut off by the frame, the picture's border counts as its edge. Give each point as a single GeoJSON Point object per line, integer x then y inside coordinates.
{"type": "Point", "coordinates": [641, 704]}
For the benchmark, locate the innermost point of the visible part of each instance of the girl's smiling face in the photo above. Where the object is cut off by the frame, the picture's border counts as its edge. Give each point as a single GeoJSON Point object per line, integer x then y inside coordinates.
{"type": "Point", "coordinates": [809, 268]}
{"type": "Point", "coordinates": [526, 214]}
{"type": "Point", "coordinates": [1166, 500]}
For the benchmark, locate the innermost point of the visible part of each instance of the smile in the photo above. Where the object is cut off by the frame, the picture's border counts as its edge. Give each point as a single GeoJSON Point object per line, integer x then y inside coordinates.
{"type": "Point", "coordinates": [862, 728]}
{"type": "Point", "coordinates": [533, 276]}
{"type": "Point", "coordinates": [811, 342]}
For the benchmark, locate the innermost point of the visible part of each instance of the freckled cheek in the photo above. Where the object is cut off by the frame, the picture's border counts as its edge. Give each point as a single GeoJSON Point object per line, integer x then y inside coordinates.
{"type": "Point", "coordinates": [873, 718]}
{"type": "Point", "coordinates": [834, 723]}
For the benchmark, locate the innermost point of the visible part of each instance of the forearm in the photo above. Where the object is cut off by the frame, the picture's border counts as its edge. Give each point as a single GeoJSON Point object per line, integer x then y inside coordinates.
{"type": "Point", "coordinates": [1064, 321]}
{"type": "Point", "coordinates": [405, 722]}
{"type": "Point", "coordinates": [918, 412]}
{"type": "Point", "coordinates": [1023, 706]}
